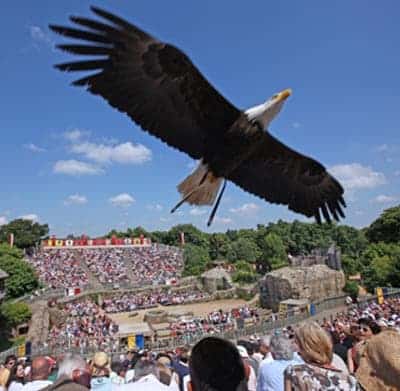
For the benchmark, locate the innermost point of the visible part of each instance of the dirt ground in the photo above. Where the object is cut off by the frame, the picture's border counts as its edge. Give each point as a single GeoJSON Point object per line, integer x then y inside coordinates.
{"type": "Point", "coordinates": [198, 309]}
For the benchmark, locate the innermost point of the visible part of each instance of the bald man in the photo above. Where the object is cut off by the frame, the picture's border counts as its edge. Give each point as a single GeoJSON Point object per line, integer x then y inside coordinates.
{"type": "Point", "coordinates": [40, 371]}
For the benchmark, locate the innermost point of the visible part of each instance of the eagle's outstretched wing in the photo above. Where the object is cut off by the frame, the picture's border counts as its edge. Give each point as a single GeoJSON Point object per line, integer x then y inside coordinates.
{"type": "Point", "coordinates": [153, 82]}
{"type": "Point", "coordinates": [281, 175]}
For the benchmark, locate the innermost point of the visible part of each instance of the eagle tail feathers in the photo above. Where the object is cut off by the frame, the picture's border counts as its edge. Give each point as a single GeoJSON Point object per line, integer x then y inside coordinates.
{"type": "Point", "coordinates": [201, 187]}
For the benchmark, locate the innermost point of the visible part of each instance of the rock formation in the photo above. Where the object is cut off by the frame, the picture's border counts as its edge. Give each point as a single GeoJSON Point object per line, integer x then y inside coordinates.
{"type": "Point", "coordinates": [314, 283]}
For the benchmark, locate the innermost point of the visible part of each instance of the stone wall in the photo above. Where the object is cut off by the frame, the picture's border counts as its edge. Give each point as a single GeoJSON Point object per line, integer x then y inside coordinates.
{"type": "Point", "coordinates": [331, 257]}
{"type": "Point", "coordinates": [216, 279]}
{"type": "Point", "coordinates": [314, 283]}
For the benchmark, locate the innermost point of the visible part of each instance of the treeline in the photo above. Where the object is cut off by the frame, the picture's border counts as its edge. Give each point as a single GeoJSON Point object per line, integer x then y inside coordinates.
{"type": "Point", "coordinates": [374, 252]}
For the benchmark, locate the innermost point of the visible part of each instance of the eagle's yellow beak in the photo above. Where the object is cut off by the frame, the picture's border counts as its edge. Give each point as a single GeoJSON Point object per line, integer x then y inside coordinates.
{"type": "Point", "coordinates": [284, 95]}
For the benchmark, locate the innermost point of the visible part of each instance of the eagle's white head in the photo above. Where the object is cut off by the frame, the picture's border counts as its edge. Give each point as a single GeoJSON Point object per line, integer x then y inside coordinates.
{"type": "Point", "coordinates": [268, 110]}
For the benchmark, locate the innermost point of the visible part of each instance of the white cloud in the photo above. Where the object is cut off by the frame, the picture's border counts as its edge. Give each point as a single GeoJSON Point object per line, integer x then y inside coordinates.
{"type": "Point", "coordinates": [296, 124]}
{"type": "Point", "coordinates": [75, 135]}
{"type": "Point", "coordinates": [3, 220]}
{"type": "Point", "coordinates": [125, 153]}
{"type": "Point", "coordinates": [76, 168]}
{"type": "Point", "coordinates": [164, 219]}
{"type": "Point", "coordinates": [382, 148]}
{"type": "Point", "coordinates": [384, 199]}
{"type": "Point", "coordinates": [222, 220]}
{"type": "Point", "coordinates": [355, 176]}
{"type": "Point", "coordinates": [34, 148]}
{"type": "Point", "coordinates": [123, 200]}
{"type": "Point", "coordinates": [197, 211]}
{"type": "Point", "coordinates": [76, 199]}
{"type": "Point", "coordinates": [245, 209]}
{"type": "Point", "coordinates": [33, 217]}
{"type": "Point", "coordinates": [156, 207]}
{"type": "Point", "coordinates": [40, 36]}
{"type": "Point", "coordinates": [397, 173]}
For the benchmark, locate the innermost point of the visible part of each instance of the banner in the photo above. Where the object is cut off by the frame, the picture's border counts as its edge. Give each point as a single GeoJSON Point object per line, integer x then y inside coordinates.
{"type": "Point", "coordinates": [84, 241]}
{"type": "Point", "coordinates": [379, 294]}
{"type": "Point", "coordinates": [21, 351]}
{"type": "Point", "coordinates": [131, 342]}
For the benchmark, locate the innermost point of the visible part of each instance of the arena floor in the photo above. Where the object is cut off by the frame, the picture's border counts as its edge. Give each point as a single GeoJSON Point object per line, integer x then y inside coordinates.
{"type": "Point", "coordinates": [198, 309]}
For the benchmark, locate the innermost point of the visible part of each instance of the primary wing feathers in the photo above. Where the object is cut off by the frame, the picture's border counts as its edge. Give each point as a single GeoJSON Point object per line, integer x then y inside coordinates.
{"type": "Point", "coordinates": [153, 82]}
{"type": "Point", "coordinates": [281, 175]}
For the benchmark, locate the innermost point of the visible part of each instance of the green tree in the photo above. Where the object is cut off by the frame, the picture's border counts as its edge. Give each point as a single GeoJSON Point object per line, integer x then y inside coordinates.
{"type": "Point", "coordinates": [244, 277]}
{"type": "Point", "coordinates": [196, 259]}
{"type": "Point", "coordinates": [26, 232]}
{"type": "Point", "coordinates": [192, 235]}
{"type": "Point", "coordinates": [22, 277]}
{"type": "Point", "coordinates": [218, 245]}
{"type": "Point", "coordinates": [386, 228]}
{"type": "Point", "coordinates": [351, 241]}
{"type": "Point", "coordinates": [351, 265]}
{"type": "Point", "coordinates": [15, 313]}
{"type": "Point", "coordinates": [273, 253]}
{"type": "Point", "coordinates": [245, 249]}
{"type": "Point", "coordinates": [381, 265]}
{"type": "Point", "coordinates": [351, 287]}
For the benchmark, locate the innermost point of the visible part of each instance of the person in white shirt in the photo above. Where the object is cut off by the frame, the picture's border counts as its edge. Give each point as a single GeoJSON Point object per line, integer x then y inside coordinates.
{"type": "Point", "coordinates": [265, 350]}
{"type": "Point", "coordinates": [40, 372]}
{"type": "Point", "coordinates": [146, 378]}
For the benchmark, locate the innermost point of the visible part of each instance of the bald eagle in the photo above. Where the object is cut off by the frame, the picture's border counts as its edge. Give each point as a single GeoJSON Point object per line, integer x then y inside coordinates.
{"type": "Point", "coordinates": [161, 90]}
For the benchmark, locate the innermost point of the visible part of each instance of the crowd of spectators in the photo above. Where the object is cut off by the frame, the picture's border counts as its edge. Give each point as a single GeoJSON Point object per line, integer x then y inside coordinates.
{"type": "Point", "coordinates": [214, 322]}
{"type": "Point", "coordinates": [115, 266]}
{"type": "Point", "coordinates": [59, 268]}
{"type": "Point", "coordinates": [107, 264]}
{"type": "Point", "coordinates": [155, 265]}
{"type": "Point", "coordinates": [136, 301]}
{"type": "Point", "coordinates": [355, 350]}
{"type": "Point", "coordinates": [84, 326]}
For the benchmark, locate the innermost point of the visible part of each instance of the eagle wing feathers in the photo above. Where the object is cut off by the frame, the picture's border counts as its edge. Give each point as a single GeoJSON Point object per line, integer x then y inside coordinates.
{"type": "Point", "coordinates": [153, 82]}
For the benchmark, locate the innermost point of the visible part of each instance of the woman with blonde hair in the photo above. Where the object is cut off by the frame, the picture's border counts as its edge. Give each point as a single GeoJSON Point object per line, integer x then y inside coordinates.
{"type": "Point", "coordinates": [317, 372]}
{"type": "Point", "coordinates": [4, 377]}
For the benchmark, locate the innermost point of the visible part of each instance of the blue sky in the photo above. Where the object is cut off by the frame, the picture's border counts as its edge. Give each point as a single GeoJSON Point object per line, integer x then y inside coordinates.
{"type": "Point", "coordinates": [70, 160]}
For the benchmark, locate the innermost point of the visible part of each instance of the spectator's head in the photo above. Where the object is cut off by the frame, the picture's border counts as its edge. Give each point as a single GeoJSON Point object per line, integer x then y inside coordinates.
{"type": "Point", "coordinates": [41, 368]}
{"type": "Point", "coordinates": [144, 368]}
{"type": "Point", "coordinates": [75, 368]}
{"type": "Point", "coordinates": [100, 365]}
{"type": "Point", "coordinates": [11, 361]}
{"type": "Point", "coordinates": [184, 354]}
{"type": "Point", "coordinates": [315, 346]}
{"type": "Point", "coordinates": [118, 368]}
{"type": "Point", "coordinates": [4, 377]}
{"type": "Point", "coordinates": [380, 364]}
{"type": "Point", "coordinates": [17, 374]}
{"type": "Point", "coordinates": [281, 348]}
{"type": "Point", "coordinates": [368, 328]}
{"type": "Point", "coordinates": [264, 344]}
{"type": "Point", "coordinates": [248, 345]}
{"type": "Point", "coordinates": [216, 365]}
{"type": "Point", "coordinates": [335, 337]}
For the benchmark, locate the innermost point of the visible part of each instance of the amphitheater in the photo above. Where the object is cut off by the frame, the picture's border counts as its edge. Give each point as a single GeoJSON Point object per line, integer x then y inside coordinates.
{"type": "Point", "coordinates": [117, 293]}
